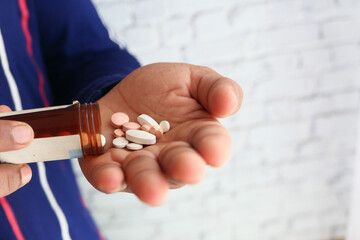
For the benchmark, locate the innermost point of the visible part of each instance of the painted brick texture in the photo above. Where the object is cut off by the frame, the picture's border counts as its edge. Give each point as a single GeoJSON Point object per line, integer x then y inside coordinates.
{"type": "Point", "coordinates": [289, 176]}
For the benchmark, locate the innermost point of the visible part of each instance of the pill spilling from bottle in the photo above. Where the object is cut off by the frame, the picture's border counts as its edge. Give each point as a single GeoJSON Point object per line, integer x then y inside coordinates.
{"type": "Point", "coordinates": [134, 135]}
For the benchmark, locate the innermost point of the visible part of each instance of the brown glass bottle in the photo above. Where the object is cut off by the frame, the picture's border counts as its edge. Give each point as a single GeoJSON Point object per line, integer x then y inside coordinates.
{"type": "Point", "coordinates": [76, 119]}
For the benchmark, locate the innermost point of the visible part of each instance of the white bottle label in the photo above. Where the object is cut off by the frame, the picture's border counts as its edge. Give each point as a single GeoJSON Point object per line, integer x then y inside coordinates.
{"type": "Point", "coordinates": [6, 114]}
{"type": "Point", "coordinates": [46, 149]}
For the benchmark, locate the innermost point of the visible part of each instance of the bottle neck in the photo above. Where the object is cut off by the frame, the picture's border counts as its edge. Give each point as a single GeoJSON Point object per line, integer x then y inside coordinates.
{"type": "Point", "coordinates": [90, 132]}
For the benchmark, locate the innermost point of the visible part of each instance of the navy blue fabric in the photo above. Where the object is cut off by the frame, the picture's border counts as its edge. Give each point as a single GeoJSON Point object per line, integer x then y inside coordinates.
{"type": "Point", "coordinates": [78, 50]}
{"type": "Point", "coordinates": [79, 61]}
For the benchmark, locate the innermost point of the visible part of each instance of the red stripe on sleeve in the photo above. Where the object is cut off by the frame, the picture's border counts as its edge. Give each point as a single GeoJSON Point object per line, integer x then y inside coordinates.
{"type": "Point", "coordinates": [11, 218]}
{"type": "Point", "coordinates": [25, 27]}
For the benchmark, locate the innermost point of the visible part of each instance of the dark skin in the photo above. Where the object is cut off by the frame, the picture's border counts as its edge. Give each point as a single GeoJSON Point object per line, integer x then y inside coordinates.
{"type": "Point", "coordinates": [189, 97]}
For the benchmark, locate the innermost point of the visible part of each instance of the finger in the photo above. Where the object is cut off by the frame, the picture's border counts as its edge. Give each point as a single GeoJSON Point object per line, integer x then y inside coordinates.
{"type": "Point", "coordinates": [14, 135]}
{"type": "Point", "coordinates": [13, 177]}
{"type": "Point", "coordinates": [144, 177]}
{"type": "Point", "coordinates": [182, 163]}
{"type": "Point", "coordinates": [221, 96]}
{"type": "Point", "coordinates": [212, 141]}
{"type": "Point", "coordinates": [4, 108]}
{"type": "Point", "coordinates": [103, 173]}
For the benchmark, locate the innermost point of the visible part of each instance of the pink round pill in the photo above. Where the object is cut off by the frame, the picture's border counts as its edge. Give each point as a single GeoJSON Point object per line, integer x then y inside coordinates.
{"type": "Point", "coordinates": [119, 118]}
{"type": "Point", "coordinates": [130, 126]}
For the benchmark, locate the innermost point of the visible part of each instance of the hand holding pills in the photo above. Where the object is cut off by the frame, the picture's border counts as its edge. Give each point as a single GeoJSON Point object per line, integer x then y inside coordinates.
{"type": "Point", "coordinates": [145, 134]}
{"type": "Point", "coordinates": [189, 98]}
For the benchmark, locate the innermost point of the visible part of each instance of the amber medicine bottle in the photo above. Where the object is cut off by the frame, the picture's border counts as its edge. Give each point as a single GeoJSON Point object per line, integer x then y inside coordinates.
{"type": "Point", "coordinates": [63, 132]}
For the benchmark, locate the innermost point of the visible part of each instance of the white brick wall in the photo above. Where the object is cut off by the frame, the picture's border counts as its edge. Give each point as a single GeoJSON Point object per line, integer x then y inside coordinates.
{"type": "Point", "coordinates": [289, 176]}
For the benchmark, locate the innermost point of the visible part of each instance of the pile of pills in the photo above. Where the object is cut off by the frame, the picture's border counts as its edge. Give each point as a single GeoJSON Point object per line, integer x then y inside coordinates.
{"type": "Point", "coordinates": [134, 135]}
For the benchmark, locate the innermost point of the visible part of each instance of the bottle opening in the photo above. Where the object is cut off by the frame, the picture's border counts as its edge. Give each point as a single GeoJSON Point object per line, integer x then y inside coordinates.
{"type": "Point", "coordinates": [90, 122]}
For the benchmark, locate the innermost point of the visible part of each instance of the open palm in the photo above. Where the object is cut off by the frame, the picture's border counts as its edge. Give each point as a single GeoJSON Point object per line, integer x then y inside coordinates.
{"type": "Point", "coordinates": [190, 98]}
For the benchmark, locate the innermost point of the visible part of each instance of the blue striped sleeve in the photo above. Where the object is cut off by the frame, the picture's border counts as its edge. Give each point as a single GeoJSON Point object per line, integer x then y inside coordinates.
{"type": "Point", "coordinates": [81, 60]}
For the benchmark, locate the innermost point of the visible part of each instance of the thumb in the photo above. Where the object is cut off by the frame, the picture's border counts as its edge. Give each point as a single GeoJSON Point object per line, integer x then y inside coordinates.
{"type": "Point", "coordinates": [221, 96]}
{"type": "Point", "coordinates": [13, 177]}
{"type": "Point", "coordinates": [14, 135]}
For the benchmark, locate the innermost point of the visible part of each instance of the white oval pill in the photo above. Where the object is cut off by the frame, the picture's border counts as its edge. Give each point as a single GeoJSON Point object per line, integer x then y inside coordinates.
{"type": "Point", "coordinates": [145, 119]}
{"type": "Point", "coordinates": [165, 126]}
{"type": "Point", "coordinates": [103, 140]}
{"type": "Point", "coordinates": [134, 146]}
{"type": "Point", "coordinates": [120, 142]}
{"type": "Point", "coordinates": [141, 137]}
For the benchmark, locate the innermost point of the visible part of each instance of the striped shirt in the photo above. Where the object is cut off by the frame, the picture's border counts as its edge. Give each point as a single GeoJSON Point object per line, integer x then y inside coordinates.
{"type": "Point", "coordinates": [51, 53]}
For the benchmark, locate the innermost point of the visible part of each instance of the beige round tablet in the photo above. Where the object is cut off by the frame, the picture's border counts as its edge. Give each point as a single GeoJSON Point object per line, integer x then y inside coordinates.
{"type": "Point", "coordinates": [144, 119]}
{"type": "Point", "coordinates": [140, 137]}
{"type": "Point", "coordinates": [118, 119]}
{"type": "Point", "coordinates": [165, 126]}
{"type": "Point", "coordinates": [120, 142]}
{"type": "Point", "coordinates": [134, 146]}
{"type": "Point", "coordinates": [119, 133]}
{"type": "Point", "coordinates": [130, 126]}
{"type": "Point", "coordinates": [145, 128]}
{"type": "Point", "coordinates": [158, 132]}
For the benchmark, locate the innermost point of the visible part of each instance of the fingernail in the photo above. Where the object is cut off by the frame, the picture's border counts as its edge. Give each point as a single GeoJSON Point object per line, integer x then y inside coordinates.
{"type": "Point", "coordinates": [22, 134]}
{"type": "Point", "coordinates": [237, 95]}
{"type": "Point", "coordinates": [109, 186]}
{"type": "Point", "coordinates": [25, 174]}
{"type": "Point", "coordinates": [109, 190]}
{"type": "Point", "coordinates": [238, 99]}
{"type": "Point", "coordinates": [123, 187]}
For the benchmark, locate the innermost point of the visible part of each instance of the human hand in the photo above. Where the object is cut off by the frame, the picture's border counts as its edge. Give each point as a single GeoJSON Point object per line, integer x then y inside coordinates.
{"type": "Point", "coordinates": [190, 98]}
{"type": "Point", "coordinates": [13, 136]}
